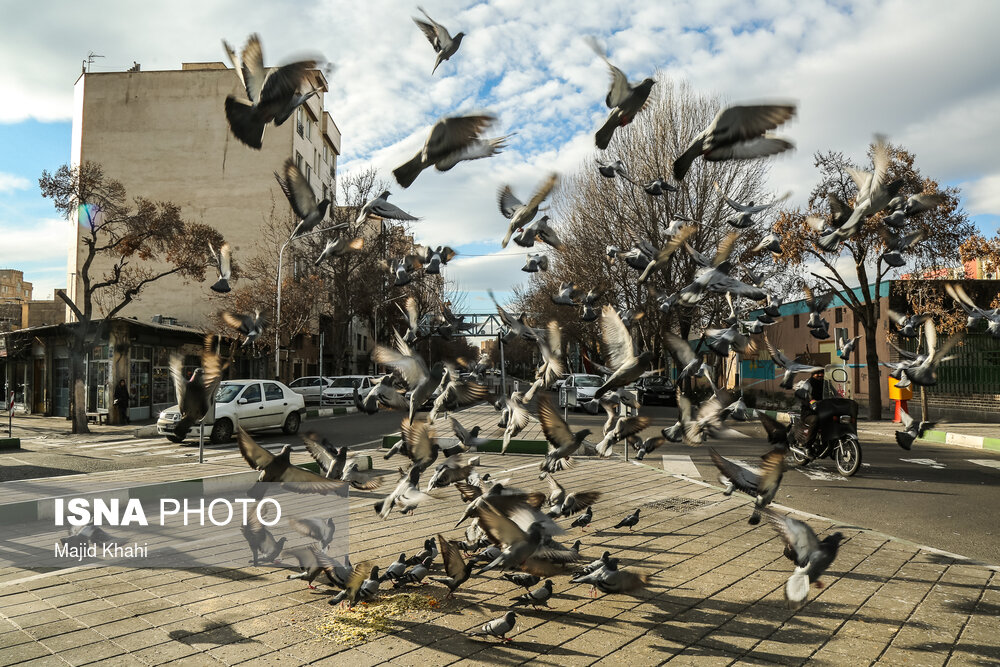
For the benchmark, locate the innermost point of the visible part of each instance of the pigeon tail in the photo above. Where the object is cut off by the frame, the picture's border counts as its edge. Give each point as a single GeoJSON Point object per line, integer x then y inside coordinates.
{"type": "Point", "coordinates": [222, 286]}
{"type": "Point", "coordinates": [904, 439]}
{"type": "Point", "coordinates": [603, 136]}
{"type": "Point", "coordinates": [797, 587]}
{"type": "Point", "coordinates": [407, 172]}
{"type": "Point", "coordinates": [684, 162]}
{"type": "Point", "coordinates": [243, 123]}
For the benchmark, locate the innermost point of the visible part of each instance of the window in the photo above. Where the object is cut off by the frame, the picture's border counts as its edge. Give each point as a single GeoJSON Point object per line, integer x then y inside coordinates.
{"type": "Point", "coordinates": [839, 315]}
{"type": "Point", "coordinates": [309, 172]}
{"type": "Point", "coordinates": [364, 343]}
{"type": "Point", "coordinates": [298, 160]}
{"type": "Point", "coordinates": [273, 392]}
{"type": "Point", "coordinates": [326, 153]}
{"type": "Point", "coordinates": [840, 334]}
{"type": "Point", "coordinates": [326, 192]}
{"type": "Point", "coordinates": [300, 116]}
{"type": "Point", "coordinates": [316, 160]}
{"type": "Point", "coordinates": [795, 321]}
{"type": "Point", "coordinates": [358, 346]}
{"type": "Point", "coordinates": [252, 393]}
{"type": "Point", "coordinates": [309, 129]}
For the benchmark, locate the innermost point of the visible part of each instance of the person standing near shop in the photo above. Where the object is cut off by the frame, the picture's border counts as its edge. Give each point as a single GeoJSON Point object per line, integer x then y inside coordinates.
{"type": "Point", "coordinates": [121, 401]}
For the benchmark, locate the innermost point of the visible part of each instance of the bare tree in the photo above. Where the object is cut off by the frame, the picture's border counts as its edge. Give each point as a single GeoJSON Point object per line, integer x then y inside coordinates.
{"type": "Point", "coordinates": [596, 212]}
{"type": "Point", "coordinates": [142, 240]}
{"type": "Point", "coordinates": [947, 227]}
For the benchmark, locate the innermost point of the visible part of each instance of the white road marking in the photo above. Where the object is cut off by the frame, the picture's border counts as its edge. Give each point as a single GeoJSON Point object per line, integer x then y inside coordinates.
{"type": "Point", "coordinates": [989, 463]}
{"type": "Point", "coordinates": [818, 474]}
{"type": "Point", "coordinates": [680, 464]}
{"type": "Point", "coordinates": [925, 462]}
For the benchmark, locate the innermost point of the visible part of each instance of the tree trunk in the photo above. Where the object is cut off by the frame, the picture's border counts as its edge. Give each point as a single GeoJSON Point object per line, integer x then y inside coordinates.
{"type": "Point", "coordinates": [874, 386]}
{"type": "Point", "coordinates": [78, 381]}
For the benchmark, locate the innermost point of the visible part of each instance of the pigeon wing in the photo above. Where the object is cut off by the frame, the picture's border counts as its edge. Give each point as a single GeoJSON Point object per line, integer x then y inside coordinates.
{"type": "Point", "coordinates": [555, 429]}
{"type": "Point", "coordinates": [258, 457]}
{"type": "Point", "coordinates": [298, 191]}
{"type": "Point", "coordinates": [742, 123]}
{"type": "Point", "coordinates": [454, 564]}
{"type": "Point", "coordinates": [796, 534]}
{"type": "Point", "coordinates": [745, 480]}
{"type": "Point", "coordinates": [617, 340]}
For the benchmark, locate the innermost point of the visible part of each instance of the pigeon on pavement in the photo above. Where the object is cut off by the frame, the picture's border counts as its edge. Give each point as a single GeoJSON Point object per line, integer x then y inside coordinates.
{"type": "Point", "coordinates": [498, 627]}
{"type": "Point", "coordinates": [629, 521]}
{"type": "Point", "coordinates": [536, 598]}
{"type": "Point", "coordinates": [811, 556]}
{"type": "Point", "coordinates": [584, 519]}
{"type": "Point", "coordinates": [263, 546]}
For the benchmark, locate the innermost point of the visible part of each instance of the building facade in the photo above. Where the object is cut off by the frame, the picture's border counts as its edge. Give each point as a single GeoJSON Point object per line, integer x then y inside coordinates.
{"type": "Point", "coordinates": [164, 135]}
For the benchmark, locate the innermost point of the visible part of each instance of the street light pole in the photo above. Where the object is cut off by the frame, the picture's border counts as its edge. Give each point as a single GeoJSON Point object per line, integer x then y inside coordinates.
{"type": "Point", "coordinates": [277, 314]}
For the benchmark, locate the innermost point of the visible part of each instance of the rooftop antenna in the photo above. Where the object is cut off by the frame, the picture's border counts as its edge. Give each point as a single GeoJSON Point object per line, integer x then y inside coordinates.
{"type": "Point", "coordinates": [89, 61]}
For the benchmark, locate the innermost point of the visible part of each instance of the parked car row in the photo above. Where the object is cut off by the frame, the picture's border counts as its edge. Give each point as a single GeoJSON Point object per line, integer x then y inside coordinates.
{"type": "Point", "coordinates": [331, 390]}
{"type": "Point", "coordinates": [650, 390]}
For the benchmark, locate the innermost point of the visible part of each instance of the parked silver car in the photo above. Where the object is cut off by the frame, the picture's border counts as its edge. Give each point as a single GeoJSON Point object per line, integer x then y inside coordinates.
{"type": "Point", "coordinates": [311, 387]}
{"type": "Point", "coordinates": [341, 389]}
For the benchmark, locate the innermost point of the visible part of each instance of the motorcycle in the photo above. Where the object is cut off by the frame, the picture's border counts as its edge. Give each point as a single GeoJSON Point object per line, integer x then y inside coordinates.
{"type": "Point", "coordinates": [836, 436]}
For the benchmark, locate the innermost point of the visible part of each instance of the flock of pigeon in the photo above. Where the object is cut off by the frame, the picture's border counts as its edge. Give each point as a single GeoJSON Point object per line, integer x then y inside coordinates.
{"type": "Point", "coordinates": [515, 531]}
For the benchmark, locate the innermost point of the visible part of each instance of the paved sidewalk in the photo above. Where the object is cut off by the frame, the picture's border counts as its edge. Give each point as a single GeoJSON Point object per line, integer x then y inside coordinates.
{"type": "Point", "coordinates": [715, 599]}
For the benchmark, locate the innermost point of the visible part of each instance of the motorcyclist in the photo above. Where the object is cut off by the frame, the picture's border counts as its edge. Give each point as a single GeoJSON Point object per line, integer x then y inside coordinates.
{"type": "Point", "coordinates": [813, 393]}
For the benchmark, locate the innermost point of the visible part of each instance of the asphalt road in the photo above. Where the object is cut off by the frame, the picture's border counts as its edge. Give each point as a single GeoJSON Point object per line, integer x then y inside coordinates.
{"type": "Point", "coordinates": [934, 495]}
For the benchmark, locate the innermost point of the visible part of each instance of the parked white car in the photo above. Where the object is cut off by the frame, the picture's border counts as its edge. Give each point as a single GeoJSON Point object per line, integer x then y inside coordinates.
{"type": "Point", "coordinates": [251, 404]}
{"type": "Point", "coordinates": [341, 389]}
{"type": "Point", "coordinates": [586, 386]}
{"type": "Point", "coordinates": [310, 387]}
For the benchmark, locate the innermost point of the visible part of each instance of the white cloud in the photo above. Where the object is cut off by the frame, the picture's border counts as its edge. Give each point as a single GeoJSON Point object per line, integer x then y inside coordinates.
{"type": "Point", "coordinates": [11, 182]}
{"type": "Point", "coordinates": [900, 67]}
{"type": "Point", "coordinates": [983, 195]}
{"type": "Point", "coordinates": [45, 241]}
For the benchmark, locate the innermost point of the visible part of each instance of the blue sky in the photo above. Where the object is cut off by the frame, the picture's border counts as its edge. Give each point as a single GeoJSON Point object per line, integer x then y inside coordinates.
{"type": "Point", "coordinates": [904, 68]}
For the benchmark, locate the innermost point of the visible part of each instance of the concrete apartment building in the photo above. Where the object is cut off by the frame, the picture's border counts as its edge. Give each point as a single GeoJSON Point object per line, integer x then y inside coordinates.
{"type": "Point", "coordinates": [164, 135]}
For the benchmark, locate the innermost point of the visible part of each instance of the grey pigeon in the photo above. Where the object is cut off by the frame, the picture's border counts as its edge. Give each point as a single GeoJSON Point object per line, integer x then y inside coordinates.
{"type": "Point", "coordinates": [974, 312]}
{"type": "Point", "coordinates": [626, 366]}
{"type": "Point", "coordinates": [416, 574]}
{"type": "Point", "coordinates": [770, 242]}
{"type": "Point", "coordinates": [662, 256]}
{"type": "Point", "coordinates": [278, 468]}
{"type": "Point", "coordinates": [339, 246]}
{"type": "Point", "coordinates": [761, 487]}
{"type": "Point", "coordinates": [395, 569]}
{"type": "Point", "coordinates": [904, 208]}
{"type": "Point", "coordinates": [738, 133]}
{"type": "Point", "coordinates": [468, 437]}
{"type": "Point", "coordinates": [223, 261]}
{"type": "Point", "coordinates": [536, 598]}
{"type": "Point", "coordinates": [445, 46]}
{"type": "Point", "coordinates": [567, 295]}
{"type": "Point", "coordinates": [498, 627]}
{"type": "Point", "coordinates": [273, 93]}
{"type": "Point", "coordinates": [380, 207]}
{"type": "Point", "coordinates": [644, 447]}
{"type": "Point", "coordinates": [629, 521]}
{"type": "Point", "coordinates": [625, 99]}
{"type": "Point", "coordinates": [536, 263]}
{"type": "Point", "coordinates": [457, 571]}
{"type": "Point", "coordinates": [519, 213]}
{"type": "Point", "coordinates": [251, 326]}
{"type": "Point", "coordinates": [301, 198]}
{"type": "Point", "coordinates": [538, 229]}
{"type": "Point", "coordinates": [624, 428]}
{"type": "Point", "coordinates": [611, 579]}
{"type": "Point", "coordinates": [896, 245]}
{"type": "Point", "coordinates": [908, 326]}
{"type": "Point", "coordinates": [195, 395]}
{"type": "Point", "coordinates": [435, 258]}
{"type": "Point", "coordinates": [912, 429]}
{"type": "Point", "coordinates": [846, 346]}
{"type": "Point", "coordinates": [811, 556]}
{"type": "Point", "coordinates": [362, 585]}
{"type": "Point", "coordinates": [924, 374]}
{"type": "Point", "coordinates": [721, 341]}
{"type": "Point", "coordinates": [407, 495]}
{"type": "Point", "coordinates": [313, 563]}
{"type": "Point", "coordinates": [584, 519]}
{"type": "Point", "coordinates": [450, 141]}
{"type": "Point", "coordinates": [321, 530]}
{"type": "Point", "coordinates": [420, 380]}
{"type": "Point", "coordinates": [689, 364]}
{"type": "Point", "coordinates": [746, 211]}
{"type": "Point", "coordinates": [613, 169]}
{"type": "Point", "coordinates": [563, 443]}
{"type": "Point", "coordinates": [430, 550]}
{"type": "Point", "coordinates": [263, 546]}
{"type": "Point", "coordinates": [791, 368]}
{"type": "Point", "coordinates": [657, 187]}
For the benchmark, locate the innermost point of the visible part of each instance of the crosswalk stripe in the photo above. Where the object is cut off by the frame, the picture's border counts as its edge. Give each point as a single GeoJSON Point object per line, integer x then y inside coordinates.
{"type": "Point", "coordinates": [680, 464]}
{"type": "Point", "coordinates": [989, 463]}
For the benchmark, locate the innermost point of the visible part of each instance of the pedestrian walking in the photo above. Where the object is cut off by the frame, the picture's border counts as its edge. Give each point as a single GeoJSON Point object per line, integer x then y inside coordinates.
{"type": "Point", "coordinates": [121, 401]}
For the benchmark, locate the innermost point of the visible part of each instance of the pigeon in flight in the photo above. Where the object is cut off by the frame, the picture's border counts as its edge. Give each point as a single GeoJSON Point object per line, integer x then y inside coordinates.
{"type": "Point", "coordinates": [845, 346]}
{"type": "Point", "coordinates": [761, 487]}
{"type": "Point", "coordinates": [924, 374]}
{"type": "Point", "coordinates": [278, 468]}
{"type": "Point", "coordinates": [770, 242]}
{"type": "Point", "coordinates": [450, 141]}
{"type": "Point", "coordinates": [659, 261]}
{"type": "Point", "coordinates": [420, 380]}
{"type": "Point", "coordinates": [339, 246]}
{"type": "Point", "coordinates": [738, 133]}
{"type": "Point", "coordinates": [619, 353]}
{"type": "Point", "coordinates": [908, 327]}
{"type": "Point", "coordinates": [688, 363]}
{"type": "Point", "coordinates": [563, 443]}
{"type": "Point", "coordinates": [912, 429]}
{"type": "Point", "coordinates": [625, 99]}
{"type": "Point", "coordinates": [895, 245]}
{"type": "Point", "coordinates": [263, 546]}
{"type": "Point", "coordinates": [273, 93]}
{"type": "Point", "coordinates": [519, 213]}
{"type": "Point", "coordinates": [362, 584]}
{"type": "Point", "coordinates": [535, 263]}
{"type": "Point", "coordinates": [613, 169]}
{"type": "Point", "coordinates": [657, 187]}
{"type": "Point", "coordinates": [445, 46]}
{"type": "Point", "coordinates": [320, 530]}
{"type": "Point", "coordinates": [196, 395]}
{"type": "Point", "coordinates": [624, 428]}
{"type": "Point", "coordinates": [457, 571]}
{"type": "Point", "coordinates": [301, 198]}
{"type": "Point", "coordinates": [380, 207]}
{"type": "Point", "coordinates": [792, 368]}
{"type": "Point", "coordinates": [566, 296]}
{"type": "Point", "coordinates": [407, 494]}
{"type": "Point", "coordinates": [611, 579]}
{"type": "Point", "coordinates": [903, 209]}
{"type": "Point", "coordinates": [498, 627]}
{"type": "Point", "coordinates": [818, 327]}
{"type": "Point", "coordinates": [223, 261]}
{"type": "Point", "coordinates": [811, 556]}
{"type": "Point", "coordinates": [538, 229]}
{"type": "Point", "coordinates": [314, 562]}
{"type": "Point", "coordinates": [748, 210]}
{"type": "Point", "coordinates": [250, 326]}
{"type": "Point", "coordinates": [974, 312]}
{"type": "Point", "coordinates": [434, 258]}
